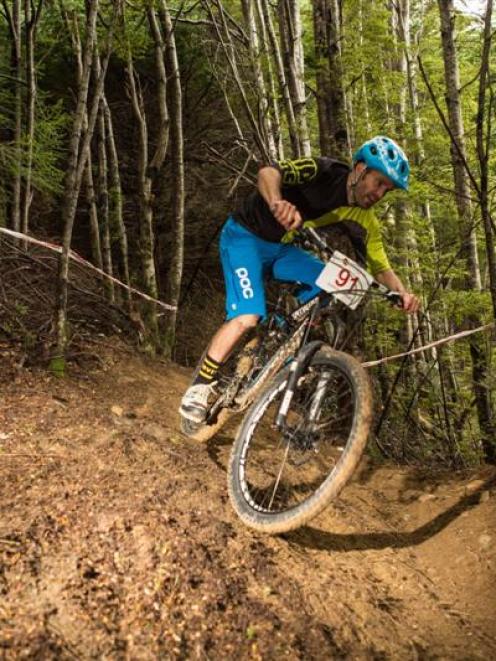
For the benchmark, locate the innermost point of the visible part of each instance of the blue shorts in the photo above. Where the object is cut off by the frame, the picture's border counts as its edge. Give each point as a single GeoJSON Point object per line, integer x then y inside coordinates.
{"type": "Point", "coordinates": [247, 260]}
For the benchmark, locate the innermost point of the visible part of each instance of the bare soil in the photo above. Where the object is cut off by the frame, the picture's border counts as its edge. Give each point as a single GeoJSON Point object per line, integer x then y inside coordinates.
{"type": "Point", "coordinates": [117, 540]}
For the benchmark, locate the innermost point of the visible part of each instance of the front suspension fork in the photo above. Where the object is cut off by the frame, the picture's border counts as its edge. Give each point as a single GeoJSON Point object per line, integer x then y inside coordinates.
{"type": "Point", "coordinates": [296, 369]}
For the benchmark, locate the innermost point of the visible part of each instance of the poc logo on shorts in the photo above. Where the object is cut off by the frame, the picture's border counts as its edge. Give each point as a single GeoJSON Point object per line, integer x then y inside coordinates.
{"type": "Point", "coordinates": [244, 281]}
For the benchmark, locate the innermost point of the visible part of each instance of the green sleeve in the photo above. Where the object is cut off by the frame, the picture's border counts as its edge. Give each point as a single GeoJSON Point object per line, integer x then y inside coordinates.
{"type": "Point", "coordinates": [377, 260]}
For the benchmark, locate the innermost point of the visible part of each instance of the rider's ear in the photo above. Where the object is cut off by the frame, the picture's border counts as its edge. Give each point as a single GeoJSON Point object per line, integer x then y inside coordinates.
{"type": "Point", "coordinates": [360, 167]}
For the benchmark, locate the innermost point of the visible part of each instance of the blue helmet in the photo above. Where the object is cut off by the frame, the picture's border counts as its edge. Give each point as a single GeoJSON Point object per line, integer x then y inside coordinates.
{"type": "Point", "coordinates": [383, 154]}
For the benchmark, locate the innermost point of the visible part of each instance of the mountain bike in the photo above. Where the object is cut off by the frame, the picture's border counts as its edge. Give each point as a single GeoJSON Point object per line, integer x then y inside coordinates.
{"type": "Point", "coordinates": [308, 405]}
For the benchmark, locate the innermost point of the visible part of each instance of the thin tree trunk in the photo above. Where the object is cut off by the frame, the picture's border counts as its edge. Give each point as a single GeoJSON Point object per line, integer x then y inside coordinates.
{"type": "Point", "coordinates": [146, 233]}
{"type": "Point", "coordinates": [418, 157]}
{"type": "Point", "coordinates": [73, 30]}
{"type": "Point", "coordinates": [103, 205]}
{"type": "Point", "coordinates": [320, 21]}
{"type": "Point", "coordinates": [70, 200]}
{"type": "Point", "coordinates": [163, 132]}
{"type": "Point", "coordinates": [116, 219]}
{"type": "Point", "coordinates": [363, 81]}
{"type": "Point", "coordinates": [16, 66]}
{"type": "Point", "coordinates": [458, 151]}
{"type": "Point", "coordinates": [402, 32]}
{"type": "Point", "coordinates": [261, 92]}
{"type": "Point", "coordinates": [225, 40]}
{"type": "Point", "coordinates": [291, 37]}
{"type": "Point", "coordinates": [96, 251]}
{"type": "Point", "coordinates": [273, 94]}
{"type": "Point", "coordinates": [469, 244]}
{"type": "Point", "coordinates": [483, 145]}
{"type": "Point", "coordinates": [282, 78]}
{"type": "Point", "coordinates": [337, 100]}
{"type": "Point", "coordinates": [176, 269]}
{"type": "Point", "coordinates": [31, 19]}
{"type": "Point", "coordinates": [114, 194]}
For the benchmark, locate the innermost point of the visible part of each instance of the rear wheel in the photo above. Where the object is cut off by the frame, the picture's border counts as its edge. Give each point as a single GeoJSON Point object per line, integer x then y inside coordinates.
{"type": "Point", "coordinates": [280, 479]}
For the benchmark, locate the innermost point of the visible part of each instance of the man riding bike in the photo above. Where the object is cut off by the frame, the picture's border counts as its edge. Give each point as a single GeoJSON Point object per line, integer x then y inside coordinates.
{"type": "Point", "coordinates": [253, 241]}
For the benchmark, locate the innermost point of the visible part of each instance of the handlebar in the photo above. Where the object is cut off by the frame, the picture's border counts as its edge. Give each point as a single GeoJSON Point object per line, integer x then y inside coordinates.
{"type": "Point", "coordinates": [311, 238]}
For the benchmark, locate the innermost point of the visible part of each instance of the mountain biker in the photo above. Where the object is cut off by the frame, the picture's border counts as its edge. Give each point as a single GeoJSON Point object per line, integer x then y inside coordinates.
{"type": "Point", "coordinates": [253, 240]}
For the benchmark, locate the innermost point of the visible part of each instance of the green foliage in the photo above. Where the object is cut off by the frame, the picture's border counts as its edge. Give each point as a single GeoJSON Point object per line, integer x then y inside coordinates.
{"type": "Point", "coordinates": [433, 416]}
{"type": "Point", "coordinates": [58, 366]}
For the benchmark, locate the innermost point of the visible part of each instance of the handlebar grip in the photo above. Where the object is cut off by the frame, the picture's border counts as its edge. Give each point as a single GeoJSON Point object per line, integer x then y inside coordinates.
{"type": "Point", "coordinates": [395, 298]}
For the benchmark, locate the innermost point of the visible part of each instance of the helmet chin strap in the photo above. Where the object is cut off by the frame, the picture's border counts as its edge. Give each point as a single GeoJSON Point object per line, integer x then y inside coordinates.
{"type": "Point", "coordinates": [354, 181]}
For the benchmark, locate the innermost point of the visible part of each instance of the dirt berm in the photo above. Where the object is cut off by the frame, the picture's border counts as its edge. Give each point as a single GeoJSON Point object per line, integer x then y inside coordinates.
{"type": "Point", "coordinates": [117, 541]}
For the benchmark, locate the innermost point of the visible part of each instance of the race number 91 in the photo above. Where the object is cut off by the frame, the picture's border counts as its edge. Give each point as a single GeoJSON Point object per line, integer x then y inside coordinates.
{"type": "Point", "coordinates": [345, 279]}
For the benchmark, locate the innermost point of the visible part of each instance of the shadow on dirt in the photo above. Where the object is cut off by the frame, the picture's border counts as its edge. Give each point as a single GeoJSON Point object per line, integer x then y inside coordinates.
{"type": "Point", "coordinates": [218, 449]}
{"type": "Point", "coordinates": [327, 541]}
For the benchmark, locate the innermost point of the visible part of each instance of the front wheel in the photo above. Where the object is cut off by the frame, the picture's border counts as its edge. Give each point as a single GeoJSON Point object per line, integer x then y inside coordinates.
{"type": "Point", "coordinates": [279, 479]}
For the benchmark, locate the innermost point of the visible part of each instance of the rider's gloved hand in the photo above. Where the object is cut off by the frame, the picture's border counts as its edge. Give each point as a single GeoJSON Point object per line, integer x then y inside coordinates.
{"type": "Point", "coordinates": [286, 214]}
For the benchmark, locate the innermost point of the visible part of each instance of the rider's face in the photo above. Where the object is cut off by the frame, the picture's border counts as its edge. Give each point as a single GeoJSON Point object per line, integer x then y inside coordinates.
{"type": "Point", "coordinates": [371, 186]}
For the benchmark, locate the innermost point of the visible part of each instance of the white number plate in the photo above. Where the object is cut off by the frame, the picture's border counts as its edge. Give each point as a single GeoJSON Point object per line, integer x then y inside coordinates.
{"type": "Point", "coordinates": [345, 279]}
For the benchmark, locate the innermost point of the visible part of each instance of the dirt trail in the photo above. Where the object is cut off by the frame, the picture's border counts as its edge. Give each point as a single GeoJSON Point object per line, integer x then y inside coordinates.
{"type": "Point", "coordinates": [117, 541]}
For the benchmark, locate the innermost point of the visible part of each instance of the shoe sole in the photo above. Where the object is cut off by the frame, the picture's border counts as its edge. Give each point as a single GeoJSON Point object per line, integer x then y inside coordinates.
{"type": "Point", "coordinates": [189, 416]}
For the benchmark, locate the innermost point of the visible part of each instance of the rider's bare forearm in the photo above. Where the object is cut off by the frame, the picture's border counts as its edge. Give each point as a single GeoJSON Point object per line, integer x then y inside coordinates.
{"type": "Point", "coordinates": [269, 185]}
{"type": "Point", "coordinates": [391, 280]}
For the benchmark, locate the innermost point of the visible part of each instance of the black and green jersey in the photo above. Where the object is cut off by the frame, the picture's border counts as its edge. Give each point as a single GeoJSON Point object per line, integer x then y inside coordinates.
{"type": "Point", "coordinates": [314, 185]}
{"type": "Point", "coordinates": [317, 187]}
{"type": "Point", "coordinates": [362, 227]}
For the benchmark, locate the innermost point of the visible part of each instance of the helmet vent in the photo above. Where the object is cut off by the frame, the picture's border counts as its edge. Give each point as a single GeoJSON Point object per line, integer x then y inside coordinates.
{"type": "Point", "coordinates": [384, 155]}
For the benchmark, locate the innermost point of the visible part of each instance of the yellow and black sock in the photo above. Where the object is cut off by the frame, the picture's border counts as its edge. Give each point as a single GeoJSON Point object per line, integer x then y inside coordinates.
{"type": "Point", "coordinates": [208, 371]}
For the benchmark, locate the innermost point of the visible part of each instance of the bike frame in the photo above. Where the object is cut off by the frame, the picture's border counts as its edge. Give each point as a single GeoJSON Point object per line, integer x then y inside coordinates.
{"type": "Point", "coordinates": [296, 347]}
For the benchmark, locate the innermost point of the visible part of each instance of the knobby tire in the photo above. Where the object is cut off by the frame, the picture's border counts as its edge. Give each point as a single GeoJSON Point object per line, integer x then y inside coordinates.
{"type": "Point", "coordinates": [254, 475]}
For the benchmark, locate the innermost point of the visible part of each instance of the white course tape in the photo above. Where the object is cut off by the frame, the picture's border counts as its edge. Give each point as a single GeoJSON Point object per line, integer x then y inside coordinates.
{"type": "Point", "coordinates": [77, 258]}
{"type": "Point", "coordinates": [444, 340]}
{"type": "Point", "coordinates": [371, 363]}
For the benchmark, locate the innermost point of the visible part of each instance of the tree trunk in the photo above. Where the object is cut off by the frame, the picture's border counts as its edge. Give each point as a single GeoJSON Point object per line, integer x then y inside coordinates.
{"type": "Point", "coordinates": [16, 67]}
{"type": "Point", "coordinates": [146, 232]}
{"type": "Point", "coordinates": [224, 38]}
{"type": "Point", "coordinates": [31, 18]}
{"type": "Point", "coordinates": [469, 245]}
{"type": "Point", "coordinates": [483, 145]}
{"type": "Point", "coordinates": [439, 358]}
{"type": "Point", "coordinates": [116, 226]}
{"type": "Point", "coordinates": [96, 250]}
{"type": "Point", "coordinates": [70, 198]}
{"type": "Point", "coordinates": [337, 101]}
{"type": "Point", "coordinates": [176, 269]}
{"type": "Point", "coordinates": [458, 151]}
{"type": "Point", "coordinates": [103, 205]}
{"type": "Point", "coordinates": [291, 37]}
{"type": "Point", "coordinates": [116, 219]}
{"type": "Point", "coordinates": [273, 94]}
{"type": "Point", "coordinates": [259, 81]}
{"type": "Point", "coordinates": [320, 21]}
{"type": "Point", "coordinates": [163, 132]}
{"type": "Point", "coordinates": [283, 82]}
{"type": "Point", "coordinates": [96, 253]}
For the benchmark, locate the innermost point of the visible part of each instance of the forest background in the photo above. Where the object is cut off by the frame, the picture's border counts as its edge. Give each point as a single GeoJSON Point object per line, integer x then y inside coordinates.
{"type": "Point", "coordinates": [129, 130]}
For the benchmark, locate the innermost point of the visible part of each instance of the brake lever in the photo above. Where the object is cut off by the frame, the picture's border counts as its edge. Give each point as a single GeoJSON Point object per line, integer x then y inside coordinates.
{"type": "Point", "coordinates": [394, 297]}
{"type": "Point", "coordinates": [311, 239]}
